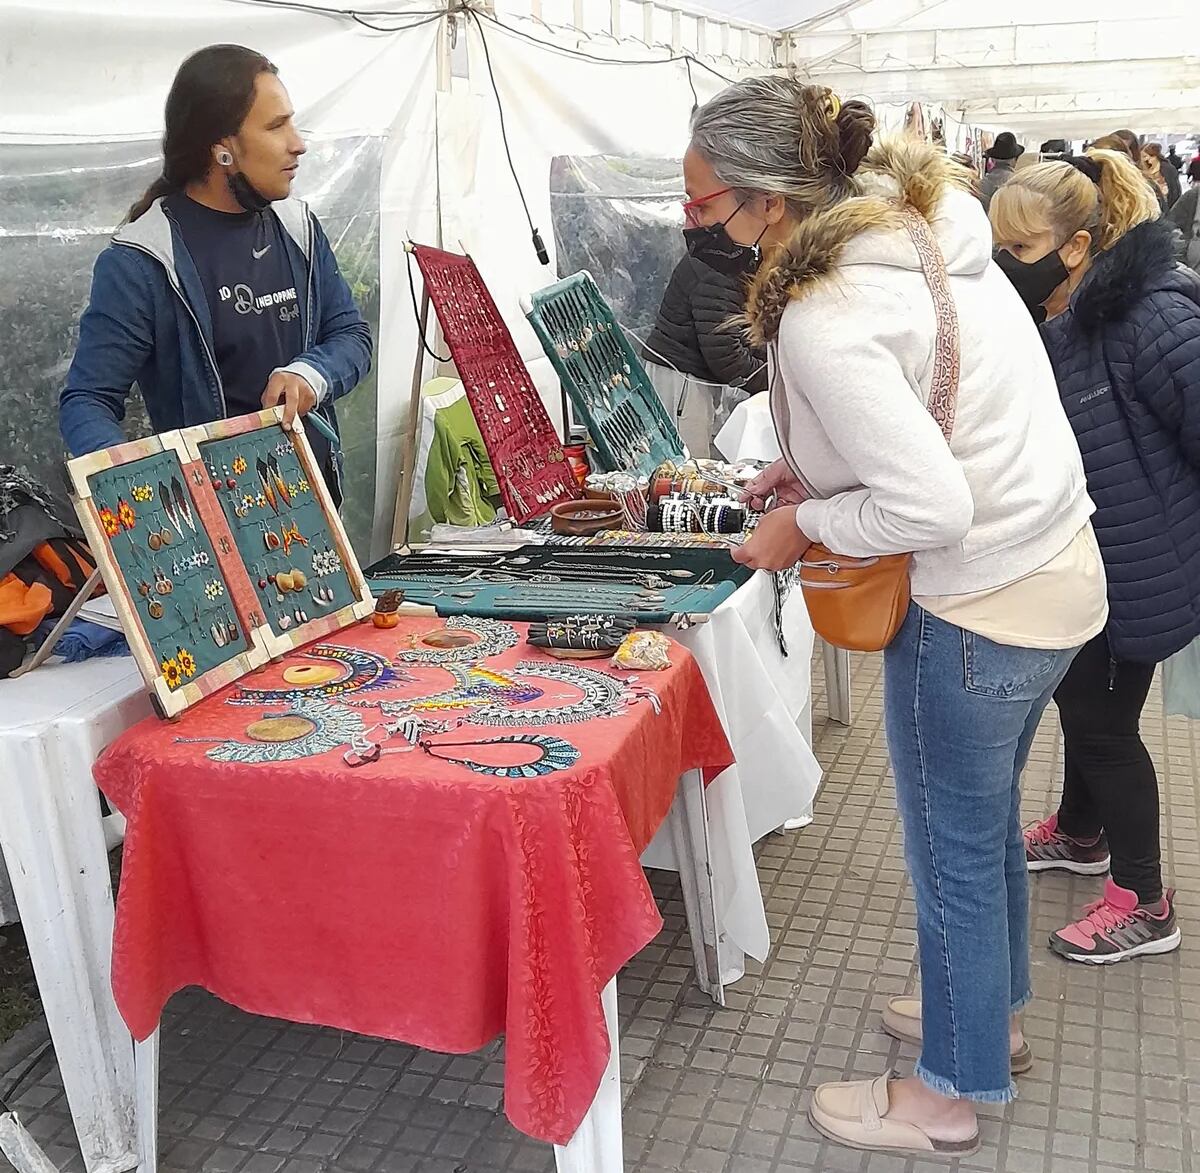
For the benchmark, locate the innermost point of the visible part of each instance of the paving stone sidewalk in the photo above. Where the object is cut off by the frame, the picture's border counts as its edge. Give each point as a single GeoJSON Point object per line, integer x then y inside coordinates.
{"type": "Point", "coordinates": [1116, 1086]}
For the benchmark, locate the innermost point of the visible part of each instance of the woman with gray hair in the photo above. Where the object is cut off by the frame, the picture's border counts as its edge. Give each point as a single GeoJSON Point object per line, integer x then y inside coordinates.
{"type": "Point", "coordinates": [918, 414]}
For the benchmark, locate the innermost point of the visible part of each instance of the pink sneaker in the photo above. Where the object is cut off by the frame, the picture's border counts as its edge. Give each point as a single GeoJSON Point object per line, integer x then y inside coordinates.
{"type": "Point", "coordinates": [1117, 928]}
{"type": "Point", "coordinates": [1048, 849]}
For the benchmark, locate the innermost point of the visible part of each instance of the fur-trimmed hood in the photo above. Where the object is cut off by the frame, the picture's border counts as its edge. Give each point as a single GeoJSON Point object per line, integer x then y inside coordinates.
{"type": "Point", "coordinates": [866, 229]}
{"type": "Point", "coordinates": [1143, 261]}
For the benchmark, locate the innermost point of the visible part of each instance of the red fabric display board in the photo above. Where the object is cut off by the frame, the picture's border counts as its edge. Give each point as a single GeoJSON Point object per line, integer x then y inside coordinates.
{"type": "Point", "coordinates": [526, 454]}
{"type": "Point", "coordinates": [437, 893]}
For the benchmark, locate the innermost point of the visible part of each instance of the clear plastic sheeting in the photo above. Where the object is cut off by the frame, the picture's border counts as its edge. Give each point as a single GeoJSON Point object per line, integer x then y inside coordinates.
{"type": "Point", "coordinates": [621, 220]}
{"type": "Point", "coordinates": [60, 204]}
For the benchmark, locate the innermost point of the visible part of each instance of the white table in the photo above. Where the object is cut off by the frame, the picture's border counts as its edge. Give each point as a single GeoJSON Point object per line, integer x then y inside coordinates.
{"type": "Point", "coordinates": [749, 434]}
{"type": "Point", "coordinates": [53, 724]}
{"type": "Point", "coordinates": [56, 721]}
{"type": "Point", "coordinates": [764, 701]}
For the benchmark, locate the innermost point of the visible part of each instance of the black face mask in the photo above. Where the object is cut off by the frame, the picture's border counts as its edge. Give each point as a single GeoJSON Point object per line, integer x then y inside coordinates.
{"type": "Point", "coordinates": [718, 250]}
{"type": "Point", "coordinates": [246, 193]}
{"type": "Point", "coordinates": [1036, 281]}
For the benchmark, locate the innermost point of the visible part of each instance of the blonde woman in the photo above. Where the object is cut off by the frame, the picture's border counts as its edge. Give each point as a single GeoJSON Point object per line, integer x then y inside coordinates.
{"type": "Point", "coordinates": [1005, 577]}
{"type": "Point", "coordinates": [1084, 246]}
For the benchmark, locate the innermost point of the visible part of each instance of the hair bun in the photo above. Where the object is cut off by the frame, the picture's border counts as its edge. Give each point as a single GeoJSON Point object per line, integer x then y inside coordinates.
{"type": "Point", "coordinates": [856, 130]}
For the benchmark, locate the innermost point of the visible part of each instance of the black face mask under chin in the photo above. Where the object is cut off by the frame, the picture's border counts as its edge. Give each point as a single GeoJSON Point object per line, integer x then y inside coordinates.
{"type": "Point", "coordinates": [718, 250]}
{"type": "Point", "coordinates": [246, 194]}
{"type": "Point", "coordinates": [1036, 281]}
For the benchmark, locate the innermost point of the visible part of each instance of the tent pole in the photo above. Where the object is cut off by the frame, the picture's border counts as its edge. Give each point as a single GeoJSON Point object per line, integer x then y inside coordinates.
{"type": "Point", "coordinates": [409, 449]}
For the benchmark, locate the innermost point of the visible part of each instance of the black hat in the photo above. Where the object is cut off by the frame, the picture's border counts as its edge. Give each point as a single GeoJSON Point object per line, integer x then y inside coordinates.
{"type": "Point", "coordinates": [1005, 147]}
{"type": "Point", "coordinates": [1054, 146]}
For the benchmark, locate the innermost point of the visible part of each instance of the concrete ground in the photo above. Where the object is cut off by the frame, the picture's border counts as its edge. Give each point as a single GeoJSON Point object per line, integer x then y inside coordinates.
{"type": "Point", "coordinates": [1116, 1086]}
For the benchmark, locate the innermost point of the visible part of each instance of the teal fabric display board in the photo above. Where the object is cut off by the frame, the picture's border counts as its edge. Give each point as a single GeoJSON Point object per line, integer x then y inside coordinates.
{"type": "Point", "coordinates": [176, 584]}
{"type": "Point", "coordinates": [626, 421]}
{"type": "Point", "coordinates": [536, 582]}
{"type": "Point", "coordinates": [220, 548]}
{"type": "Point", "coordinates": [278, 525]}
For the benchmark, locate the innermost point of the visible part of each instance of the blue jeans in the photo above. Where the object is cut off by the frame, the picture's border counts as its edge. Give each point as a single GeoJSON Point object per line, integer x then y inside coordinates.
{"type": "Point", "coordinates": [961, 713]}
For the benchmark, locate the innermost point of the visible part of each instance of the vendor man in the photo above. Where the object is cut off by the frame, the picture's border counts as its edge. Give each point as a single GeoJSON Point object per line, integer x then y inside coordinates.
{"type": "Point", "coordinates": [220, 294]}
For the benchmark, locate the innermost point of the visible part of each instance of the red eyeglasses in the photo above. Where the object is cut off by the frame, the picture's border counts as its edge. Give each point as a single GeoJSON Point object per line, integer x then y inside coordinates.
{"type": "Point", "coordinates": [691, 208]}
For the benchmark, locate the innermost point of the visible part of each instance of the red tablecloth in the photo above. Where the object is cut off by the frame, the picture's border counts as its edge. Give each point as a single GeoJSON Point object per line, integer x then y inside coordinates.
{"type": "Point", "coordinates": [409, 898]}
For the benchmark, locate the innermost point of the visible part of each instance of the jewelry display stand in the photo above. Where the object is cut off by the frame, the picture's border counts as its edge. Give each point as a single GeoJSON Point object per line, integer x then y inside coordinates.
{"type": "Point", "coordinates": [221, 549]}
{"type": "Point", "coordinates": [627, 423]}
{"type": "Point", "coordinates": [522, 445]}
{"type": "Point", "coordinates": [541, 582]}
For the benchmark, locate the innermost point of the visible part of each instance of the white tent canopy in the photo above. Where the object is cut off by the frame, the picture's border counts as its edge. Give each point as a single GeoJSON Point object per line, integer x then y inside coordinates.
{"type": "Point", "coordinates": [399, 104]}
{"type": "Point", "coordinates": [1072, 69]}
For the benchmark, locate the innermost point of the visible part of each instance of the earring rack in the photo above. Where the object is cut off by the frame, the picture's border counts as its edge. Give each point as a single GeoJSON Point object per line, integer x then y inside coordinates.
{"type": "Point", "coordinates": [167, 520]}
{"type": "Point", "coordinates": [526, 453]}
{"type": "Point", "coordinates": [607, 383]}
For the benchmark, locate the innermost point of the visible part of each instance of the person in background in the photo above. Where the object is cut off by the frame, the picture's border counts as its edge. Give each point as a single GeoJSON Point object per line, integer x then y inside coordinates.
{"type": "Point", "coordinates": [1054, 149]}
{"type": "Point", "coordinates": [1193, 171]}
{"type": "Point", "coordinates": [698, 365]}
{"type": "Point", "coordinates": [973, 178]}
{"type": "Point", "coordinates": [1185, 215]}
{"type": "Point", "coordinates": [1006, 579]}
{"type": "Point", "coordinates": [1164, 177]}
{"type": "Point", "coordinates": [220, 295]}
{"type": "Point", "coordinates": [1126, 142]}
{"type": "Point", "coordinates": [1002, 157]}
{"type": "Point", "coordinates": [1133, 144]}
{"type": "Point", "coordinates": [1084, 245]}
{"type": "Point", "coordinates": [1174, 159]}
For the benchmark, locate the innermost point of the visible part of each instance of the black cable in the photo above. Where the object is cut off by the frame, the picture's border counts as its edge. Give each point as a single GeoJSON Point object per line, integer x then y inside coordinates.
{"type": "Point", "coordinates": [357, 15]}
{"type": "Point", "coordinates": [324, 10]}
{"type": "Point", "coordinates": [539, 246]}
{"type": "Point", "coordinates": [412, 288]}
{"type": "Point", "coordinates": [687, 61]}
{"type": "Point", "coordinates": [569, 52]}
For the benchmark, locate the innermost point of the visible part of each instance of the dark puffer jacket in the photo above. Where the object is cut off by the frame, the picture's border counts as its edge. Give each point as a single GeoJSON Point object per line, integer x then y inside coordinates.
{"type": "Point", "coordinates": [690, 333]}
{"type": "Point", "coordinates": [1127, 358]}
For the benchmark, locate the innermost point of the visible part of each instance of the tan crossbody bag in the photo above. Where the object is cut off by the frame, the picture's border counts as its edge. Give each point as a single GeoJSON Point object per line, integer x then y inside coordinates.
{"type": "Point", "coordinates": [860, 603]}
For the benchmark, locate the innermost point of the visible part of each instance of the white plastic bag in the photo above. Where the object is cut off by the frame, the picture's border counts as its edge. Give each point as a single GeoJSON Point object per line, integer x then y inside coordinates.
{"type": "Point", "coordinates": [1181, 683]}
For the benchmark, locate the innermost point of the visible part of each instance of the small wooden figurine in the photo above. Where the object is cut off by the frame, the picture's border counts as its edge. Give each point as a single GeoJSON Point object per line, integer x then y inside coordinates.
{"type": "Point", "coordinates": [387, 609]}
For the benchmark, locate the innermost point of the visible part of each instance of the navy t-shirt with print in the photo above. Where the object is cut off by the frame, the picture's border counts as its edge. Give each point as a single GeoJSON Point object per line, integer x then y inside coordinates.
{"type": "Point", "coordinates": [253, 301]}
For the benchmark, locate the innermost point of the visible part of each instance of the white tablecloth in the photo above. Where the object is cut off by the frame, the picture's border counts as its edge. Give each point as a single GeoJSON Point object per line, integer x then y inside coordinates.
{"type": "Point", "coordinates": [765, 703]}
{"type": "Point", "coordinates": [53, 724]}
{"type": "Point", "coordinates": [748, 433]}
{"type": "Point", "coordinates": [83, 706]}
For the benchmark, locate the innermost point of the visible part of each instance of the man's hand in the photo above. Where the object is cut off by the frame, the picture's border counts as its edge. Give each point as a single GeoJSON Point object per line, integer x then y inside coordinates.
{"type": "Point", "coordinates": [775, 486]}
{"type": "Point", "coordinates": [776, 544]}
{"type": "Point", "coordinates": [293, 391]}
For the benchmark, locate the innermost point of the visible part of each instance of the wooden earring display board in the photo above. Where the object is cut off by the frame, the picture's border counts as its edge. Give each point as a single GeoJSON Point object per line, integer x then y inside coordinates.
{"type": "Point", "coordinates": [221, 549]}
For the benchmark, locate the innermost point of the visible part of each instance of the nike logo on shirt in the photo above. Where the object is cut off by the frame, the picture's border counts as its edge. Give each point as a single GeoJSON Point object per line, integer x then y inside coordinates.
{"type": "Point", "coordinates": [258, 253]}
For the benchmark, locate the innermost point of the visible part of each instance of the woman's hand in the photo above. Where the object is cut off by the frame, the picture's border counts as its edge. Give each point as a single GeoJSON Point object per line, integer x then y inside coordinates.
{"type": "Point", "coordinates": [776, 544]}
{"type": "Point", "coordinates": [774, 487]}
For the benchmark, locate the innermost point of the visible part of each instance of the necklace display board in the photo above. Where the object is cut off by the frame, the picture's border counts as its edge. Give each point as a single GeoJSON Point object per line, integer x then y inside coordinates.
{"type": "Point", "coordinates": [221, 549]}
{"type": "Point", "coordinates": [536, 582]}
{"type": "Point", "coordinates": [526, 453]}
{"type": "Point", "coordinates": [628, 425]}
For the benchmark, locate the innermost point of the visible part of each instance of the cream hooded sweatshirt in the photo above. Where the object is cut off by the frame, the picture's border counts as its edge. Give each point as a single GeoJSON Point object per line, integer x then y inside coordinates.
{"type": "Point", "coordinates": [851, 325]}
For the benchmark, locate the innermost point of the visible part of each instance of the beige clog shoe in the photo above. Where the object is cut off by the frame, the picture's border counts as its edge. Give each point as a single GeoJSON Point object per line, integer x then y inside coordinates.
{"type": "Point", "coordinates": [856, 1115]}
{"type": "Point", "coordinates": [902, 1020]}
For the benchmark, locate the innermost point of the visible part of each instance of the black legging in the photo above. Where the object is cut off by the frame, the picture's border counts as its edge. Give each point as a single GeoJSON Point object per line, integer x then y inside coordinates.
{"type": "Point", "coordinates": [1109, 783]}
